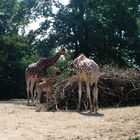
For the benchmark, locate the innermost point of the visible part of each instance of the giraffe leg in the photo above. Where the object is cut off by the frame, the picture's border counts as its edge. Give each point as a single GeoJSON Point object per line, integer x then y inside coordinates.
{"type": "Point", "coordinates": [35, 92]}
{"type": "Point", "coordinates": [56, 106]}
{"type": "Point", "coordinates": [88, 93]}
{"type": "Point", "coordinates": [80, 93]}
{"type": "Point", "coordinates": [28, 90]}
{"type": "Point", "coordinates": [95, 99]}
{"type": "Point", "coordinates": [56, 103]}
{"type": "Point", "coordinates": [39, 105]}
{"type": "Point", "coordinates": [37, 100]}
{"type": "Point", "coordinates": [32, 91]}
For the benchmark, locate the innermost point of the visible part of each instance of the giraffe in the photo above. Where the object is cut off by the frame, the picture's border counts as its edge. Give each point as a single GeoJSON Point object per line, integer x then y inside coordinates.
{"type": "Point", "coordinates": [46, 86]}
{"type": "Point", "coordinates": [88, 72]}
{"type": "Point", "coordinates": [36, 71]}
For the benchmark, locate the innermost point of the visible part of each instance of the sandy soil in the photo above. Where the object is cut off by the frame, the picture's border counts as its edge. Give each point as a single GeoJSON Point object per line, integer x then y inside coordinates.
{"type": "Point", "coordinates": [21, 122]}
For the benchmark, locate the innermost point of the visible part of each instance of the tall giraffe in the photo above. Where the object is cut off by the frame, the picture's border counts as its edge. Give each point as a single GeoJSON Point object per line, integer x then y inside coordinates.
{"type": "Point", "coordinates": [46, 86]}
{"type": "Point", "coordinates": [88, 72]}
{"type": "Point", "coordinates": [36, 71]}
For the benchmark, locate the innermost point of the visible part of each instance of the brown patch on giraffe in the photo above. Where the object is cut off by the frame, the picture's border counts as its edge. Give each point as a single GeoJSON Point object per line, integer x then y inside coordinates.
{"type": "Point", "coordinates": [88, 71]}
{"type": "Point", "coordinates": [46, 86]}
{"type": "Point", "coordinates": [37, 70]}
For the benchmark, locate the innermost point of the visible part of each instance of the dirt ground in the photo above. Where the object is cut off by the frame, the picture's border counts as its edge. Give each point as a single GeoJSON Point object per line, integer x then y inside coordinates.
{"type": "Point", "coordinates": [21, 122]}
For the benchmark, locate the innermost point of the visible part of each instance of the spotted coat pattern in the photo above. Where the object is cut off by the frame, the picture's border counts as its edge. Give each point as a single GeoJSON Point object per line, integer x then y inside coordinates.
{"type": "Point", "coordinates": [37, 71]}
{"type": "Point", "coordinates": [88, 72]}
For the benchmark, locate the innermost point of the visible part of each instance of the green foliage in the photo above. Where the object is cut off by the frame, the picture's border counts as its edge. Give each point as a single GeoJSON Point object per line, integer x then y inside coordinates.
{"type": "Point", "coordinates": [65, 66]}
{"type": "Point", "coordinates": [106, 31]}
{"type": "Point", "coordinates": [136, 138]}
{"type": "Point", "coordinates": [15, 53]}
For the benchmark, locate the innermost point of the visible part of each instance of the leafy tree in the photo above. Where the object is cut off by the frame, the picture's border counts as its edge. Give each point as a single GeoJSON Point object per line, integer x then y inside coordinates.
{"type": "Point", "coordinates": [14, 52]}
{"type": "Point", "coordinates": [104, 30]}
{"type": "Point", "coordinates": [11, 82]}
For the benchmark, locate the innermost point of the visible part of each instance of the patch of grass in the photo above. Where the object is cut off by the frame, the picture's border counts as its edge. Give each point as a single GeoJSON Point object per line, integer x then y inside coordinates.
{"type": "Point", "coordinates": [136, 138]}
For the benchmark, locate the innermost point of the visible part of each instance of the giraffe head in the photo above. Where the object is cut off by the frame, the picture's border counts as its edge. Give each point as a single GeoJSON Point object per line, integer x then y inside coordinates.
{"type": "Point", "coordinates": [62, 51]}
{"type": "Point", "coordinates": [78, 59]}
{"type": "Point", "coordinates": [55, 72]}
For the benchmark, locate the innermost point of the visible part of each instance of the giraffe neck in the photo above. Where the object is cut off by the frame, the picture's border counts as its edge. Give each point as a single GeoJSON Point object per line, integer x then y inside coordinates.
{"type": "Point", "coordinates": [54, 58]}
{"type": "Point", "coordinates": [52, 76]}
{"type": "Point", "coordinates": [45, 63]}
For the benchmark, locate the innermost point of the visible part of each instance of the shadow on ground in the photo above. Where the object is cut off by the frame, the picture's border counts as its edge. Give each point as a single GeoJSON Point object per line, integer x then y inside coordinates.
{"type": "Point", "coordinates": [91, 114]}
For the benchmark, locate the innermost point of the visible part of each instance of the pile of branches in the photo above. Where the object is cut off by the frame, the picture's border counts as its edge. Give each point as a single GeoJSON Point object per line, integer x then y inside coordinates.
{"type": "Point", "coordinates": [117, 87]}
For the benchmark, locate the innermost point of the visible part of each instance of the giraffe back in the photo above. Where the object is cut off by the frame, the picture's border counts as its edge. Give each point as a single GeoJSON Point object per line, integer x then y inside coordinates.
{"type": "Point", "coordinates": [87, 68]}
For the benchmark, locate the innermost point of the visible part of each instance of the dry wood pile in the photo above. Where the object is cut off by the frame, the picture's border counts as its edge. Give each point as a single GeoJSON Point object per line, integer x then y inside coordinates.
{"type": "Point", "coordinates": [117, 87]}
